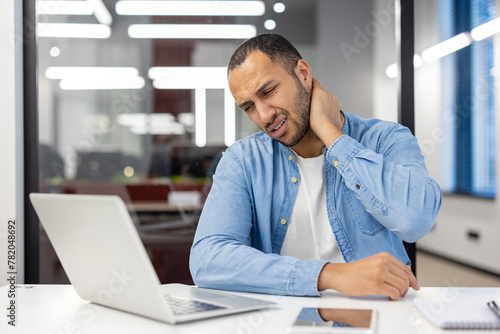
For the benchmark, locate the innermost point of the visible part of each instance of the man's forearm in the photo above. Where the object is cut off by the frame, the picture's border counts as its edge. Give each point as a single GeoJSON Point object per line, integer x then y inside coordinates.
{"type": "Point", "coordinates": [399, 193]}
{"type": "Point", "coordinates": [220, 263]}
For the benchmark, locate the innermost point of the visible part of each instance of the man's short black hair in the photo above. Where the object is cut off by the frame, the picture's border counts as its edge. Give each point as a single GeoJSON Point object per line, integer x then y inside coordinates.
{"type": "Point", "coordinates": [274, 46]}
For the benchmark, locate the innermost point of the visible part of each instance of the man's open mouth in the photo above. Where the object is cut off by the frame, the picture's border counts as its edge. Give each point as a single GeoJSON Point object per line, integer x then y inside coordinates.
{"type": "Point", "coordinates": [279, 125]}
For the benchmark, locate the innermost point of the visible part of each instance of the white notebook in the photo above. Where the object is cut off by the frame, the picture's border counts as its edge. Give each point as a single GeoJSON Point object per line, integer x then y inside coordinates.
{"type": "Point", "coordinates": [461, 313]}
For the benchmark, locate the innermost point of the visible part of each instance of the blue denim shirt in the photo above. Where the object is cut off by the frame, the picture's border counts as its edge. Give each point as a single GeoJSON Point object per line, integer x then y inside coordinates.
{"type": "Point", "coordinates": [378, 193]}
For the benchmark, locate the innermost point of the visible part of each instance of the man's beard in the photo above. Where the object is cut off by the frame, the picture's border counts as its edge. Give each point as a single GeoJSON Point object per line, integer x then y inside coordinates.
{"type": "Point", "coordinates": [301, 105]}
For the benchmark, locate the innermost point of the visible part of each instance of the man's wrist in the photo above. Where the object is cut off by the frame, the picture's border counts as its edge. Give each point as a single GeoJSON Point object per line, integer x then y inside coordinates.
{"type": "Point", "coordinates": [328, 276]}
{"type": "Point", "coordinates": [329, 133]}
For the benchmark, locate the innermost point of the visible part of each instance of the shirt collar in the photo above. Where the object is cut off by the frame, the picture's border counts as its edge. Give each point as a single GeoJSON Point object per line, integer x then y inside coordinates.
{"type": "Point", "coordinates": [345, 130]}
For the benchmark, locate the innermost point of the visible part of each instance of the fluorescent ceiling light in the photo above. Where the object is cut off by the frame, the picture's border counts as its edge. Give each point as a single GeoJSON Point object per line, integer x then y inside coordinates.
{"type": "Point", "coordinates": [191, 8]}
{"type": "Point", "coordinates": [88, 83]}
{"type": "Point", "coordinates": [101, 12]}
{"type": "Point", "coordinates": [188, 77]}
{"type": "Point", "coordinates": [52, 7]}
{"type": "Point", "coordinates": [171, 129]}
{"type": "Point", "coordinates": [445, 48]}
{"type": "Point", "coordinates": [270, 24]}
{"type": "Point", "coordinates": [186, 118]}
{"type": "Point", "coordinates": [199, 79]}
{"type": "Point", "coordinates": [279, 7]}
{"type": "Point", "coordinates": [392, 71]}
{"type": "Point", "coordinates": [68, 72]}
{"type": "Point", "coordinates": [198, 31]}
{"type": "Point", "coordinates": [200, 114]}
{"type": "Point", "coordinates": [486, 30]}
{"type": "Point", "coordinates": [157, 123]}
{"type": "Point", "coordinates": [89, 7]}
{"type": "Point", "coordinates": [229, 118]}
{"type": "Point", "coordinates": [141, 119]}
{"type": "Point", "coordinates": [55, 51]}
{"type": "Point", "coordinates": [417, 61]}
{"type": "Point", "coordinates": [73, 30]}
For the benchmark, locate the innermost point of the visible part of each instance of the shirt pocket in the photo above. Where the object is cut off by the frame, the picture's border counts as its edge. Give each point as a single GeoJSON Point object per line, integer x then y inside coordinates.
{"type": "Point", "coordinates": [366, 222]}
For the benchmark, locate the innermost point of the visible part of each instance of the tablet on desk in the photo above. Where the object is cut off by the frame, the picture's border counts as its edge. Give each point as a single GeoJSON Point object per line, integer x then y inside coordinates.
{"type": "Point", "coordinates": [337, 320]}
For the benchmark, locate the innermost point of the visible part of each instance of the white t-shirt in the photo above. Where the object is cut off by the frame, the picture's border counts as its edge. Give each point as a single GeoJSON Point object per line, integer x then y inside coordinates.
{"type": "Point", "coordinates": [309, 235]}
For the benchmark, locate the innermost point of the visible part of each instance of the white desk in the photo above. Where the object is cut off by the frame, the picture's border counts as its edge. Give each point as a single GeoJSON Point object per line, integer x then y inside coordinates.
{"type": "Point", "coordinates": [56, 309]}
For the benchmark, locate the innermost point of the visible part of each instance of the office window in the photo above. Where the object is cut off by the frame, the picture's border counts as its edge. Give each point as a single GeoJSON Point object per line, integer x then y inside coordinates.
{"type": "Point", "coordinates": [468, 101]}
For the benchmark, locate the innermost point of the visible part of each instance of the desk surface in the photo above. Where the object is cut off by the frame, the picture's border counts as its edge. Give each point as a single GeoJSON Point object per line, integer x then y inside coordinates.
{"type": "Point", "coordinates": [58, 309]}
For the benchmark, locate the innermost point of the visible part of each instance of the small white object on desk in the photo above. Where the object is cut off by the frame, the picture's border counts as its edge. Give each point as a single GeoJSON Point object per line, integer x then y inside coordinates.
{"type": "Point", "coordinates": [184, 197]}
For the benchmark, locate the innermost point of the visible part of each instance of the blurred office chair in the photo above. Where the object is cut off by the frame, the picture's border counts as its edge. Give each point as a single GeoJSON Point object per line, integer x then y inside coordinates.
{"type": "Point", "coordinates": [411, 250]}
{"type": "Point", "coordinates": [161, 162]}
{"type": "Point", "coordinates": [215, 162]}
{"type": "Point", "coordinates": [98, 165]}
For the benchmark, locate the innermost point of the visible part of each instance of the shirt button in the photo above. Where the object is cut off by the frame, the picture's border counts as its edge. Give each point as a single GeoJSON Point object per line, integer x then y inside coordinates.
{"type": "Point", "coordinates": [283, 221]}
{"type": "Point", "coordinates": [290, 157]}
{"type": "Point", "coordinates": [294, 179]}
{"type": "Point", "coordinates": [335, 163]}
{"type": "Point", "coordinates": [357, 186]}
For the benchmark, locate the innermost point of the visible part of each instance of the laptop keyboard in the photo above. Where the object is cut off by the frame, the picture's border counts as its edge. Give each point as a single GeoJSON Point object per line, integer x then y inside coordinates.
{"type": "Point", "coordinates": [181, 306]}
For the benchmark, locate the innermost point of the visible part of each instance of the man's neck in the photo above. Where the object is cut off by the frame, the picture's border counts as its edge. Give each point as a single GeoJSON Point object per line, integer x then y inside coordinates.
{"type": "Point", "coordinates": [311, 146]}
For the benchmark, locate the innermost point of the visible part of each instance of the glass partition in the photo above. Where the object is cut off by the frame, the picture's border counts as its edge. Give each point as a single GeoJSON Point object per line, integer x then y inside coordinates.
{"type": "Point", "coordinates": [133, 98]}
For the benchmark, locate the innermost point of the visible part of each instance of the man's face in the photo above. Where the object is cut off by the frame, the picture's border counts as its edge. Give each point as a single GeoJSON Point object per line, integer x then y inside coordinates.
{"type": "Point", "coordinates": [277, 102]}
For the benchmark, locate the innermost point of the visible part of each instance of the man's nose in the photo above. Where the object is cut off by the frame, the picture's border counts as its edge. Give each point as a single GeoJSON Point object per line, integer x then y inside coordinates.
{"type": "Point", "coordinates": [266, 112]}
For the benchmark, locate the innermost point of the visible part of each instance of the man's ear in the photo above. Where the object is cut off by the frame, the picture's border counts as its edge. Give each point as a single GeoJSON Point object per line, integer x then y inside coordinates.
{"type": "Point", "coordinates": [303, 71]}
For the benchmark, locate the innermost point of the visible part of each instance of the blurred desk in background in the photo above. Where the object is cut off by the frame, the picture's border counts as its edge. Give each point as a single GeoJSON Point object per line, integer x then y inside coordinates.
{"type": "Point", "coordinates": [161, 206]}
{"type": "Point", "coordinates": [141, 191]}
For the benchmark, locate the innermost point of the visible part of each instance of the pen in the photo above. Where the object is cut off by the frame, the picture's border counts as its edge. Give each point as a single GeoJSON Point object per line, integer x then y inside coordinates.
{"type": "Point", "coordinates": [493, 306]}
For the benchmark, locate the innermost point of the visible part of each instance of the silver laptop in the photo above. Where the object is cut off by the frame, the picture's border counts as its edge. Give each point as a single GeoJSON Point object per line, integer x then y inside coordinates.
{"type": "Point", "coordinates": [105, 260]}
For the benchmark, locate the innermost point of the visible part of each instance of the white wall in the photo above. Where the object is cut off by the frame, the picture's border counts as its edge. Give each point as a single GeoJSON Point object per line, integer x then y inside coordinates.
{"type": "Point", "coordinates": [427, 86]}
{"type": "Point", "coordinates": [11, 168]}
{"type": "Point", "coordinates": [385, 89]}
{"type": "Point", "coordinates": [347, 75]}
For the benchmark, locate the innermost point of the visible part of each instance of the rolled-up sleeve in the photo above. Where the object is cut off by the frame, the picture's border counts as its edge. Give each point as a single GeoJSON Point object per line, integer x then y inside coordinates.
{"type": "Point", "coordinates": [392, 183]}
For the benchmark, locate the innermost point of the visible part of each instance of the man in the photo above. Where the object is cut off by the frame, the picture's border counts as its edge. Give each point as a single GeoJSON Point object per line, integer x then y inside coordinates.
{"type": "Point", "coordinates": [320, 199]}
